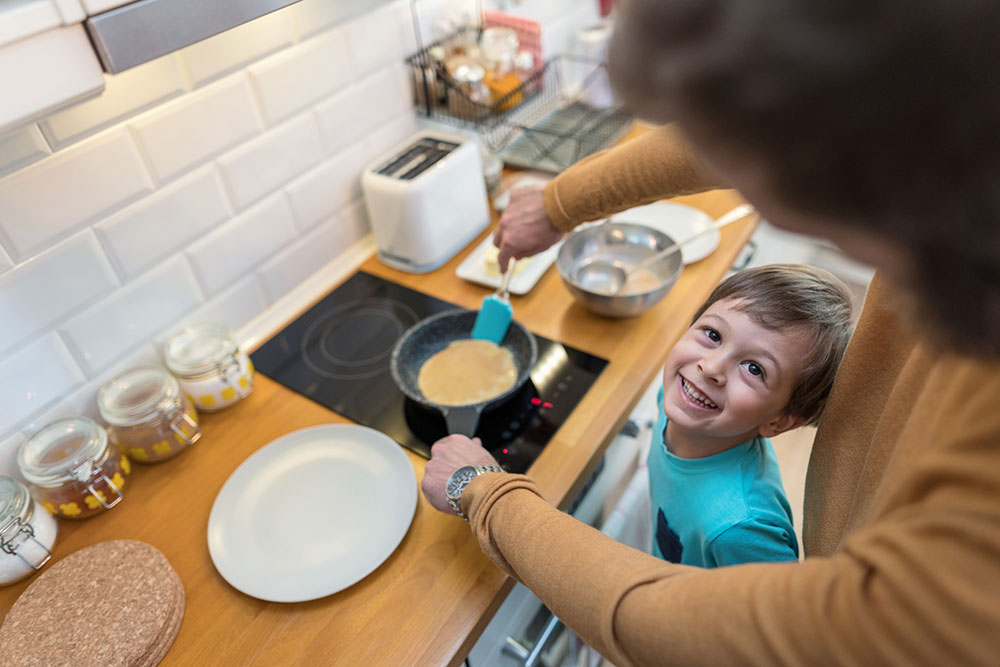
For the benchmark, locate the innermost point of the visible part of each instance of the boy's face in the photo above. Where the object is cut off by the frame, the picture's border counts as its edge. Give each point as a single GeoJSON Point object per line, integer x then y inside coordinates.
{"type": "Point", "coordinates": [729, 378]}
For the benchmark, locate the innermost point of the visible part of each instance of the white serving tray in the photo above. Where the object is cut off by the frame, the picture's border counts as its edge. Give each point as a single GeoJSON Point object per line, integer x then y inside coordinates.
{"type": "Point", "coordinates": [481, 267]}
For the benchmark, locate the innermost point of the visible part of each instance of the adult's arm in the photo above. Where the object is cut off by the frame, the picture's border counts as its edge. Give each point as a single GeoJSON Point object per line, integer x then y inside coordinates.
{"type": "Point", "coordinates": [655, 165]}
{"type": "Point", "coordinates": [902, 594]}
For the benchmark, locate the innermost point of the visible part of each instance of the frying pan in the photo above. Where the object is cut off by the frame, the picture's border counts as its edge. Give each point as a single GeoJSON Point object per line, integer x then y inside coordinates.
{"type": "Point", "coordinates": [431, 335]}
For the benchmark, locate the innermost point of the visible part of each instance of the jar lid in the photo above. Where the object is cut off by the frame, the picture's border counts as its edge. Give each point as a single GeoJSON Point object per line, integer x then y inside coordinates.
{"type": "Point", "coordinates": [15, 503]}
{"type": "Point", "coordinates": [199, 348]}
{"type": "Point", "coordinates": [62, 451]}
{"type": "Point", "coordinates": [138, 395]}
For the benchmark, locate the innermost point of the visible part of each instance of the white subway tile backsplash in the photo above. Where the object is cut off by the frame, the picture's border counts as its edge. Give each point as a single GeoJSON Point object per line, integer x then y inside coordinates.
{"type": "Point", "coordinates": [113, 327]}
{"type": "Point", "coordinates": [164, 223]}
{"type": "Point", "coordinates": [364, 107]}
{"type": "Point", "coordinates": [241, 244]}
{"type": "Point", "coordinates": [391, 134]}
{"type": "Point", "coordinates": [375, 40]}
{"type": "Point", "coordinates": [318, 194]}
{"type": "Point", "coordinates": [234, 307]}
{"type": "Point", "coordinates": [226, 52]}
{"type": "Point", "coordinates": [212, 182]}
{"type": "Point", "coordinates": [50, 286]}
{"type": "Point", "coordinates": [286, 270]}
{"type": "Point", "coordinates": [124, 95]}
{"type": "Point", "coordinates": [315, 16]}
{"type": "Point", "coordinates": [35, 376]}
{"type": "Point", "coordinates": [42, 203]}
{"type": "Point", "coordinates": [354, 222]}
{"type": "Point", "coordinates": [264, 164]}
{"type": "Point", "coordinates": [291, 81]}
{"type": "Point", "coordinates": [21, 147]}
{"type": "Point", "coordinates": [186, 132]}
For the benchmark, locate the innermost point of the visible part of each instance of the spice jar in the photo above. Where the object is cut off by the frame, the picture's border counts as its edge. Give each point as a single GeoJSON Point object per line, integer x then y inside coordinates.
{"type": "Point", "coordinates": [74, 470]}
{"type": "Point", "coordinates": [212, 370]}
{"type": "Point", "coordinates": [27, 532]}
{"type": "Point", "coordinates": [499, 48]}
{"type": "Point", "coordinates": [469, 97]}
{"type": "Point", "coordinates": [147, 416]}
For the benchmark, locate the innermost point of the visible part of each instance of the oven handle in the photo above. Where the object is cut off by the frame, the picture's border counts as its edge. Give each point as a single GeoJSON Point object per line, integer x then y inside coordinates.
{"type": "Point", "coordinates": [530, 658]}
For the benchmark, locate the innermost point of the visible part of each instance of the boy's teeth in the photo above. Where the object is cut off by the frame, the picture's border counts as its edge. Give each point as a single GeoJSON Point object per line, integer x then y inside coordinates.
{"type": "Point", "coordinates": [696, 395]}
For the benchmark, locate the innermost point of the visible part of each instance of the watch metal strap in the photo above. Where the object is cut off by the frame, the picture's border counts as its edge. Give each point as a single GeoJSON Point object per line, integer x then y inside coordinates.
{"type": "Point", "coordinates": [456, 501]}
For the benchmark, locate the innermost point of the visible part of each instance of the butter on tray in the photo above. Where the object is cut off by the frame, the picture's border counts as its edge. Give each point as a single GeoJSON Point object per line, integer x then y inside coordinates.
{"type": "Point", "coordinates": [491, 262]}
{"type": "Point", "coordinates": [481, 267]}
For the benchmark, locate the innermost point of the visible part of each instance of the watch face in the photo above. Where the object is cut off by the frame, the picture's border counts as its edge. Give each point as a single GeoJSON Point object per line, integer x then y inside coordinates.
{"type": "Point", "coordinates": [459, 480]}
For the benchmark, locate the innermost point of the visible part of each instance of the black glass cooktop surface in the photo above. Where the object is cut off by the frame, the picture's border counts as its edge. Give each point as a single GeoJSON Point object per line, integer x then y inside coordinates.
{"type": "Point", "coordinates": [337, 354]}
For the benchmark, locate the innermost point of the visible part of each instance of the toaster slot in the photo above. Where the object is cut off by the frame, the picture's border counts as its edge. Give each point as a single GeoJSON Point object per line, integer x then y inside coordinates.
{"type": "Point", "coordinates": [417, 158]}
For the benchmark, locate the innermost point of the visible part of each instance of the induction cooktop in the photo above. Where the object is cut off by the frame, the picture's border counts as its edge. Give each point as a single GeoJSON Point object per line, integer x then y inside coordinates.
{"type": "Point", "coordinates": [337, 354]}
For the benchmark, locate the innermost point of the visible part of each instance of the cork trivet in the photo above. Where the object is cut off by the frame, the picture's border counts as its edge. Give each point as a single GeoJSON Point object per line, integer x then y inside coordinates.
{"type": "Point", "coordinates": [166, 639]}
{"type": "Point", "coordinates": [114, 603]}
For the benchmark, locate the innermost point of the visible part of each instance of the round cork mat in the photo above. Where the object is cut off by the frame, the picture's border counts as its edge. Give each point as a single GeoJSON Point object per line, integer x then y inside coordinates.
{"type": "Point", "coordinates": [113, 603]}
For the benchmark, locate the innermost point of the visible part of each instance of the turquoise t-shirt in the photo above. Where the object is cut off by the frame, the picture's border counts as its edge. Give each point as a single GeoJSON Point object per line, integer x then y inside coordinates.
{"type": "Point", "coordinates": [719, 510]}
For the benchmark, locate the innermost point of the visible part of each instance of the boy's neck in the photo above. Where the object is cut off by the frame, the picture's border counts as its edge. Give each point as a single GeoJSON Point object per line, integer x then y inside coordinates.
{"type": "Point", "coordinates": [696, 445]}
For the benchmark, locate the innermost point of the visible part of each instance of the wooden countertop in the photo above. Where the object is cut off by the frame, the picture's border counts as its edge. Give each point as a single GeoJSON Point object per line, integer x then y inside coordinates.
{"type": "Point", "coordinates": [428, 603]}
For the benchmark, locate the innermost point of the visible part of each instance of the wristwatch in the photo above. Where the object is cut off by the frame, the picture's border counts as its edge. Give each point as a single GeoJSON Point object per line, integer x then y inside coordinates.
{"type": "Point", "coordinates": [459, 480]}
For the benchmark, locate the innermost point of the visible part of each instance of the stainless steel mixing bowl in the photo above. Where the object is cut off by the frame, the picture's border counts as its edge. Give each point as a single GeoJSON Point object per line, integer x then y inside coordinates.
{"type": "Point", "coordinates": [624, 245]}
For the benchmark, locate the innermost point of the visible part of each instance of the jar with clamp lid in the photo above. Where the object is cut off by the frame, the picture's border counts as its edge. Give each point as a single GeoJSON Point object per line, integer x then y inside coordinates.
{"type": "Point", "coordinates": [213, 372]}
{"type": "Point", "coordinates": [74, 470]}
{"type": "Point", "coordinates": [27, 532]}
{"type": "Point", "coordinates": [147, 416]}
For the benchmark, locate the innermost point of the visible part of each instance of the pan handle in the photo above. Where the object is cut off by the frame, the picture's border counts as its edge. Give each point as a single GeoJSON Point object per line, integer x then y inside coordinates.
{"type": "Point", "coordinates": [462, 420]}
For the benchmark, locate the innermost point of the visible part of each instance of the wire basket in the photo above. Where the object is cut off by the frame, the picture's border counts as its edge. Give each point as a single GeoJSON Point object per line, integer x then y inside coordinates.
{"type": "Point", "coordinates": [537, 125]}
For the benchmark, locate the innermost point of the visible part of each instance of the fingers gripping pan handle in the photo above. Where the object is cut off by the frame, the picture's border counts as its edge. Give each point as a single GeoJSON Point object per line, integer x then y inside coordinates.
{"type": "Point", "coordinates": [462, 420]}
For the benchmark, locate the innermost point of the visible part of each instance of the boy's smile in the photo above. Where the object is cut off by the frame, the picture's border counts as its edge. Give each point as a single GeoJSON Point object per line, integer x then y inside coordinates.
{"type": "Point", "coordinates": [729, 379]}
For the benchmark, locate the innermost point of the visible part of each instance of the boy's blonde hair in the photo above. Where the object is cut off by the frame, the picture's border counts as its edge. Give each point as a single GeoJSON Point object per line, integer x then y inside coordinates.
{"type": "Point", "coordinates": [794, 295]}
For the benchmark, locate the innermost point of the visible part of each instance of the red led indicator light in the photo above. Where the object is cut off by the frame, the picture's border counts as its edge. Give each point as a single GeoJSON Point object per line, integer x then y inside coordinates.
{"type": "Point", "coordinates": [536, 401]}
{"type": "Point", "coordinates": [546, 404]}
{"type": "Point", "coordinates": [505, 450]}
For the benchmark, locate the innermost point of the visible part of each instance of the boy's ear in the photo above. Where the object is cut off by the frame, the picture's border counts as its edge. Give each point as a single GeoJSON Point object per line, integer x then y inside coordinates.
{"type": "Point", "coordinates": [780, 424]}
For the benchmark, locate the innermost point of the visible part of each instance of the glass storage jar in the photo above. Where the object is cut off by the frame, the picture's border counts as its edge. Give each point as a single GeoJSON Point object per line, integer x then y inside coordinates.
{"type": "Point", "coordinates": [73, 469]}
{"type": "Point", "coordinates": [27, 532]}
{"type": "Point", "coordinates": [213, 372]}
{"type": "Point", "coordinates": [147, 416]}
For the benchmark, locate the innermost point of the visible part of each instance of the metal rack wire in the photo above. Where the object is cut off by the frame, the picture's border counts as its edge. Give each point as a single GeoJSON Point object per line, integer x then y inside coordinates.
{"type": "Point", "coordinates": [538, 125]}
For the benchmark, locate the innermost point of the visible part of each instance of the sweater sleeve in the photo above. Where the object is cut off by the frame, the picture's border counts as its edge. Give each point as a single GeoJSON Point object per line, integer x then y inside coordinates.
{"type": "Point", "coordinates": [653, 166]}
{"type": "Point", "coordinates": [883, 599]}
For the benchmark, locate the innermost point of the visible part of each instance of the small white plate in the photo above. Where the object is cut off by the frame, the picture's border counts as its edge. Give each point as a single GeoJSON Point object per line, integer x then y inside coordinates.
{"type": "Point", "coordinates": [312, 512]}
{"type": "Point", "coordinates": [481, 267]}
{"type": "Point", "coordinates": [677, 221]}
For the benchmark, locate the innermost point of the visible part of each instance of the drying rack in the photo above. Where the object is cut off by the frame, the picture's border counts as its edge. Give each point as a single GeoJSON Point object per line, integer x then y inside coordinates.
{"type": "Point", "coordinates": [538, 125]}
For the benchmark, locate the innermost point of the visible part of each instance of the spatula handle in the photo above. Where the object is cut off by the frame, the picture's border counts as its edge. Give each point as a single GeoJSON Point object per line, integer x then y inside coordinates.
{"type": "Point", "coordinates": [504, 290]}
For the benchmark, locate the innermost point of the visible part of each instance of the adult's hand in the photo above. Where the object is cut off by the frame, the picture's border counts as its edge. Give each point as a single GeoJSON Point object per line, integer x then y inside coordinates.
{"type": "Point", "coordinates": [524, 228]}
{"type": "Point", "coordinates": [448, 455]}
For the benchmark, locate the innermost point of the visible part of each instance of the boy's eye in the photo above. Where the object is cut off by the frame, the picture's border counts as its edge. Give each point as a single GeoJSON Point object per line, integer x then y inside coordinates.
{"type": "Point", "coordinates": [713, 335]}
{"type": "Point", "coordinates": [754, 368]}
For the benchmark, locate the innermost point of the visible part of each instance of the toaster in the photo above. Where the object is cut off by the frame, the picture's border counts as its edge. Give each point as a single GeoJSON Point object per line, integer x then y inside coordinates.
{"type": "Point", "coordinates": [426, 200]}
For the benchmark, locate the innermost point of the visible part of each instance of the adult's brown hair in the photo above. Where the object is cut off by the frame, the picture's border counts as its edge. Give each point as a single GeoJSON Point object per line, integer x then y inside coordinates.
{"type": "Point", "coordinates": [883, 115]}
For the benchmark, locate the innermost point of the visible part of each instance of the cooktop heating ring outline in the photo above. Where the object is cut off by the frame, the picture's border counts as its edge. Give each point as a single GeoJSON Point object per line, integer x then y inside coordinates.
{"type": "Point", "coordinates": [318, 336]}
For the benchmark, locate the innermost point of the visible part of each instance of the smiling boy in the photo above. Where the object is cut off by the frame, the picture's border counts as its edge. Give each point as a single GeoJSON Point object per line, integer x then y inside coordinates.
{"type": "Point", "coordinates": [758, 360]}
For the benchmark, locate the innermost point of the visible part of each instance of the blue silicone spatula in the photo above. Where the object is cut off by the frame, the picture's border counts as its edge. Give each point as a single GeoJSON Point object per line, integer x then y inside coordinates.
{"type": "Point", "coordinates": [494, 316]}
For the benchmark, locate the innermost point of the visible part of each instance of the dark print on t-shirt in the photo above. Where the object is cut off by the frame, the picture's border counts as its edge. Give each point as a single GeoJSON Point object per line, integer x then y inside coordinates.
{"type": "Point", "coordinates": [667, 540]}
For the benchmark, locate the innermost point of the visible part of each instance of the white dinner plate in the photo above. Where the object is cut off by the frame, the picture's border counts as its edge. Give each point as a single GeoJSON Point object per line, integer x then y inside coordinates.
{"type": "Point", "coordinates": [312, 512]}
{"type": "Point", "coordinates": [679, 222]}
{"type": "Point", "coordinates": [481, 267]}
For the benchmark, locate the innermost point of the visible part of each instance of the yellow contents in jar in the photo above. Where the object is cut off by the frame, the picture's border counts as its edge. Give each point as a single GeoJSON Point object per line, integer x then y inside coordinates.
{"type": "Point", "coordinates": [501, 85]}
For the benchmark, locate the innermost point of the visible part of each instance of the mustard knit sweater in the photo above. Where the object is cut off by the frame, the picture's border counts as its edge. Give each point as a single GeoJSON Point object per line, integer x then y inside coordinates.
{"type": "Point", "coordinates": [902, 507]}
